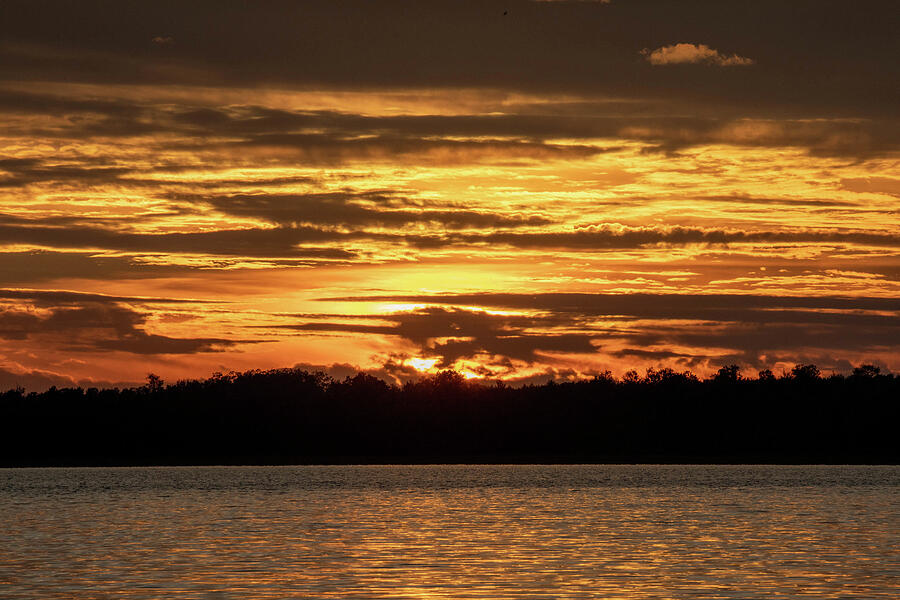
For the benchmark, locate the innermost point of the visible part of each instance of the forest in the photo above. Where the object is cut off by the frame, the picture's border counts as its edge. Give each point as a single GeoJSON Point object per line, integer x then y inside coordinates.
{"type": "Point", "coordinates": [292, 416]}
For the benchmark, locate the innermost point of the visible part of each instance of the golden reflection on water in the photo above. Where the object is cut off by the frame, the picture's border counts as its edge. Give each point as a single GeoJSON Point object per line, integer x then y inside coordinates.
{"type": "Point", "coordinates": [451, 532]}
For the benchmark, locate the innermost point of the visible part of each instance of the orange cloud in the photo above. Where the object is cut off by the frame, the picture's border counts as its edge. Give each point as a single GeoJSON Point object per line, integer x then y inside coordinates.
{"type": "Point", "coordinates": [693, 53]}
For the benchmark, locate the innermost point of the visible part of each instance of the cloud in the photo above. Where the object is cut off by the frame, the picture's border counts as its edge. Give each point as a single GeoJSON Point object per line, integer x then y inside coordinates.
{"type": "Point", "coordinates": [337, 371]}
{"type": "Point", "coordinates": [280, 242]}
{"type": "Point", "coordinates": [344, 208]}
{"type": "Point", "coordinates": [751, 341]}
{"type": "Point", "coordinates": [330, 149]}
{"type": "Point", "coordinates": [453, 333]}
{"type": "Point", "coordinates": [616, 236]}
{"type": "Point", "coordinates": [522, 132]}
{"type": "Point", "coordinates": [690, 329]}
{"type": "Point", "coordinates": [33, 380]}
{"type": "Point", "coordinates": [278, 50]}
{"type": "Point", "coordinates": [70, 297]}
{"type": "Point", "coordinates": [18, 102]}
{"type": "Point", "coordinates": [872, 185]}
{"type": "Point", "coordinates": [519, 129]}
{"type": "Point", "coordinates": [32, 266]}
{"type": "Point", "coordinates": [812, 202]}
{"type": "Point", "coordinates": [661, 306]}
{"type": "Point", "coordinates": [393, 369]}
{"type": "Point", "coordinates": [208, 165]}
{"type": "Point", "coordinates": [691, 54]}
{"type": "Point", "coordinates": [26, 171]}
{"type": "Point", "coordinates": [38, 380]}
{"type": "Point", "coordinates": [95, 327]}
{"type": "Point", "coordinates": [343, 234]}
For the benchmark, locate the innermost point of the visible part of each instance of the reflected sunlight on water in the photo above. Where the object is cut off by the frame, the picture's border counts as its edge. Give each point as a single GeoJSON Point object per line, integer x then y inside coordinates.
{"type": "Point", "coordinates": [451, 532]}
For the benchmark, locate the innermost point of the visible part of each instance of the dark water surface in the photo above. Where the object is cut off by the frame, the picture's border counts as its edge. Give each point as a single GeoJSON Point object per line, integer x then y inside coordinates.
{"type": "Point", "coordinates": [624, 532]}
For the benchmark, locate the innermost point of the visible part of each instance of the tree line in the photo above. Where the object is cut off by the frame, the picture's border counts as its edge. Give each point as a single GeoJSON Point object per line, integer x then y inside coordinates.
{"type": "Point", "coordinates": [292, 416]}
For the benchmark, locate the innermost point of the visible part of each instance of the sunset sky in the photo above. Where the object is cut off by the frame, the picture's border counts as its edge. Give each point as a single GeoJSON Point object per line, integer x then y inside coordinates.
{"type": "Point", "coordinates": [516, 190]}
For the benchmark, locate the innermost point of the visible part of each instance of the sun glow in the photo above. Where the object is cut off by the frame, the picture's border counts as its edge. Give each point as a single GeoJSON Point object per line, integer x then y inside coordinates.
{"type": "Point", "coordinates": [393, 308]}
{"type": "Point", "coordinates": [421, 364]}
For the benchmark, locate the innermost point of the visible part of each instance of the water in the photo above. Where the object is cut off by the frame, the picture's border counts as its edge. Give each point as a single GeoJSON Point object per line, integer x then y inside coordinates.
{"type": "Point", "coordinates": [510, 532]}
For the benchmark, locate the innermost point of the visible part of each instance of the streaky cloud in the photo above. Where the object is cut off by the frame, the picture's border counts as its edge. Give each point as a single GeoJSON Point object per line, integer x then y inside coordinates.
{"type": "Point", "coordinates": [67, 296]}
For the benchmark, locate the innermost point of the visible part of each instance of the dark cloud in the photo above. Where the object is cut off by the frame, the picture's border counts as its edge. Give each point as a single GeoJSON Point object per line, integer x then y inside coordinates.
{"type": "Point", "coordinates": [731, 320]}
{"type": "Point", "coordinates": [524, 122]}
{"type": "Point", "coordinates": [653, 354]}
{"type": "Point", "coordinates": [310, 242]}
{"type": "Point", "coordinates": [19, 325]}
{"type": "Point", "coordinates": [144, 343]}
{"type": "Point", "coordinates": [323, 136]}
{"type": "Point", "coordinates": [654, 306]}
{"type": "Point", "coordinates": [95, 327]}
{"type": "Point", "coordinates": [33, 266]}
{"type": "Point", "coordinates": [526, 347]}
{"type": "Point", "coordinates": [524, 131]}
{"type": "Point", "coordinates": [26, 171]}
{"type": "Point", "coordinates": [749, 329]}
{"type": "Point", "coordinates": [17, 102]}
{"type": "Point", "coordinates": [558, 375]}
{"type": "Point", "coordinates": [69, 297]}
{"type": "Point", "coordinates": [762, 346]}
{"type": "Point", "coordinates": [68, 221]}
{"type": "Point", "coordinates": [752, 341]}
{"type": "Point", "coordinates": [648, 122]}
{"type": "Point", "coordinates": [526, 134]}
{"type": "Point", "coordinates": [456, 333]}
{"type": "Point", "coordinates": [823, 54]}
{"type": "Point", "coordinates": [825, 79]}
{"type": "Point", "coordinates": [872, 185]}
{"type": "Point", "coordinates": [282, 242]}
{"type": "Point", "coordinates": [33, 380]}
{"type": "Point", "coordinates": [803, 202]}
{"type": "Point", "coordinates": [334, 149]}
{"type": "Point", "coordinates": [342, 208]}
{"type": "Point", "coordinates": [621, 237]}
{"type": "Point", "coordinates": [316, 243]}
{"type": "Point", "coordinates": [38, 380]}
{"type": "Point", "coordinates": [337, 371]}
{"type": "Point", "coordinates": [338, 327]}
{"type": "Point", "coordinates": [393, 369]}
{"type": "Point", "coordinates": [85, 171]}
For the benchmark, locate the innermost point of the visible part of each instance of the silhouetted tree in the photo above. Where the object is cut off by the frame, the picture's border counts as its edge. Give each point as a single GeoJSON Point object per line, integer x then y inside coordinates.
{"type": "Point", "coordinates": [606, 377]}
{"type": "Point", "coordinates": [805, 373]}
{"type": "Point", "coordinates": [631, 376]}
{"type": "Point", "coordinates": [766, 375]}
{"type": "Point", "coordinates": [154, 383]}
{"type": "Point", "coordinates": [728, 374]}
{"type": "Point", "coordinates": [866, 371]}
{"type": "Point", "coordinates": [291, 415]}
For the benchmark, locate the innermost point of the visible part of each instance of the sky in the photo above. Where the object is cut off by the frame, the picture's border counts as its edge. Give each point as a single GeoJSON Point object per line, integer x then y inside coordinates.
{"type": "Point", "coordinates": [517, 190]}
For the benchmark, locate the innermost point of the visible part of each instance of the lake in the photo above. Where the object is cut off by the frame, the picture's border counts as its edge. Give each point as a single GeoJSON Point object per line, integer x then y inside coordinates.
{"type": "Point", "coordinates": [453, 531]}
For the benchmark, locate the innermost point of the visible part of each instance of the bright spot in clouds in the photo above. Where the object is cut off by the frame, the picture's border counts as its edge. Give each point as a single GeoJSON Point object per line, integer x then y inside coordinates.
{"type": "Point", "coordinates": [421, 364]}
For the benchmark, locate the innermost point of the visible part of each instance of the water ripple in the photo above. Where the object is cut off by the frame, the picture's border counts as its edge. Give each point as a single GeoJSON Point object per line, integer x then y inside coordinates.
{"type": "Point", "coordinates": [635, 532]}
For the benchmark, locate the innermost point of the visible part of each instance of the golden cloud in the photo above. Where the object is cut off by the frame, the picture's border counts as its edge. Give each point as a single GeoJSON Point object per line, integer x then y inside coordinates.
{"type": "Point", "coordinates": [693, 53]}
